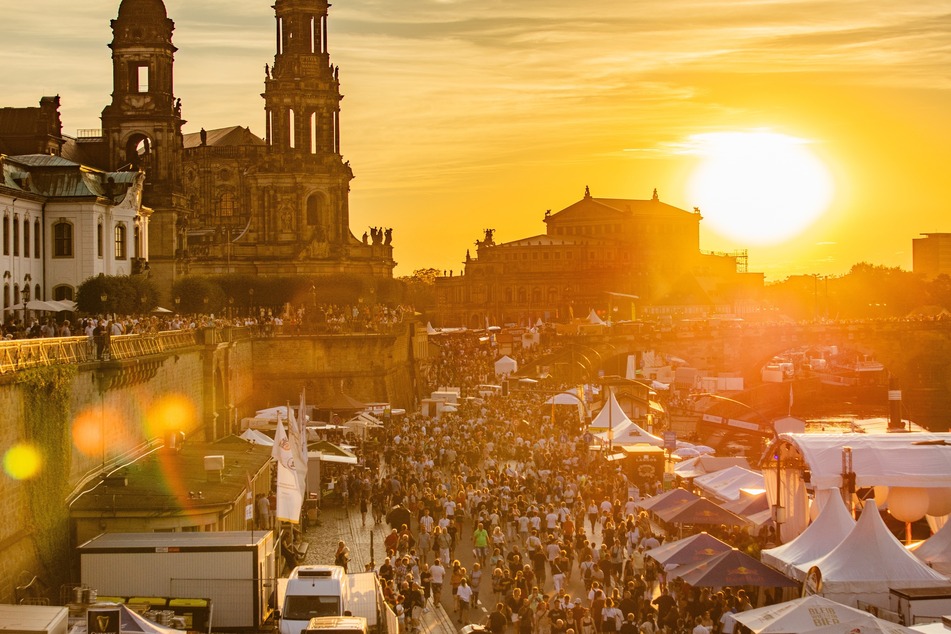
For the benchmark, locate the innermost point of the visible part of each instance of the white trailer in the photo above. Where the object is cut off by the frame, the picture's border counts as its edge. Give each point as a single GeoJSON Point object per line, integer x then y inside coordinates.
{"type": "Point", "coordinates": [33, 619]}
{"type": "Point", "coordinates": [236, 570]}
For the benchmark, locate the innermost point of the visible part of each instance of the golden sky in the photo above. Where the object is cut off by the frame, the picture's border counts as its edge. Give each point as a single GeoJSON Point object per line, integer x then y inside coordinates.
{"type": "Point", "coordinates": [462, 115]}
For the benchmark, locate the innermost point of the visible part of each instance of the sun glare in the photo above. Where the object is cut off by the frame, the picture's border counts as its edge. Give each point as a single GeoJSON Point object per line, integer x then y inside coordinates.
{"type": "Point", "coordinates": [758, 187]}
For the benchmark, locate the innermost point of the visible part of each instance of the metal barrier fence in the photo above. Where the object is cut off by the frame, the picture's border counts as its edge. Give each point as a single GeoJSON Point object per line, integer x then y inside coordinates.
{"type": "Point", "coordinates": [21, 354]}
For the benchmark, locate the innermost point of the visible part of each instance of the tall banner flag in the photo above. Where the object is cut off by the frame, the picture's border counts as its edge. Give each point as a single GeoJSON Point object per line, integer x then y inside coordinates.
{"type": "Point", "coordinates": [290, 496]}
{"type": "Point", "coordinates": [297, 436]}
{"type": "Point", "coordinates": [303, 428]}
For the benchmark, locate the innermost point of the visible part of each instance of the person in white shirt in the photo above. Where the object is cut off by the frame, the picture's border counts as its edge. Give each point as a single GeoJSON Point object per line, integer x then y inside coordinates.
{"type": "Point", "coordinates": [464, 592]}
{"type": "Point", "coordinates": [438, 573]}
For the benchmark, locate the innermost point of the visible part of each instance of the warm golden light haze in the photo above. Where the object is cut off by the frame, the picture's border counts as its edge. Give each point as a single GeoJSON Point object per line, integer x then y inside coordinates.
{"type": "Point", "coordinates": [461, 115]}
{"type": "Point", "coordinates": [758, 187]}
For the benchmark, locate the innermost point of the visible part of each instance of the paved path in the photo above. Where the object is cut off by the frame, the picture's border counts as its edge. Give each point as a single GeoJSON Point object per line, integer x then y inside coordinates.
{"type": "Point", "coordinates": [337, 524]}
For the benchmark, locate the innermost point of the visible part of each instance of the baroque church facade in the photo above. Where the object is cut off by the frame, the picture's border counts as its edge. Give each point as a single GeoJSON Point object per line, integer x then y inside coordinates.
{"type": "Point", "coordinates": [224, 200]}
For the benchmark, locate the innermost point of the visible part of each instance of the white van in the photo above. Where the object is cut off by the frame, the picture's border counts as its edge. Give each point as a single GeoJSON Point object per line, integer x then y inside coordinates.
{"type": "Point", "coordinates": [337, 625]}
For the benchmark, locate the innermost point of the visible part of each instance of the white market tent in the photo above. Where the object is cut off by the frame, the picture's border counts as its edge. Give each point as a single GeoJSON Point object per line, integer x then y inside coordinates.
{"type": "Point", "coordinates": [895, 460]}
{"type": "Point", "coordinates": [936, 550]}
{"type": "Point", "coordinates": [565, 398]}
{"type": "Point", "coordinates": [828, 530]}
{"type": "Point", "coordinates": [629, 433]}
{"type": "Point", "coordinates": [702, 465]}
{"type": "Point", "coordinates": [870, 561]}
{"type": "Point", "coordinates": [594, 319]}
{"type": "Point", "coordinates": [256, 437]}
{"type": "Point", "coordinates": [611, 415]}
{"type": "Point", "coordinates": [506, 365]}
{"type": "Point", "coordinates": [813, 613]}
{"type": "Point", "coordinates": [726, 483]}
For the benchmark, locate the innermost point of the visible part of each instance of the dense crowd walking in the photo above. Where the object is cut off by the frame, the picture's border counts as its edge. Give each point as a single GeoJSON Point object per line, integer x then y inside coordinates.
{"type": "Point", "coordinates": [521, 491]}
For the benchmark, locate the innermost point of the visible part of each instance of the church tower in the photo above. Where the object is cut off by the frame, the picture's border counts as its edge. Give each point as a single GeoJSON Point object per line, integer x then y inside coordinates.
{"type": "Point", "coordinates": [142, 127]}
{"type": "Point", "coordinates": [303, 189]}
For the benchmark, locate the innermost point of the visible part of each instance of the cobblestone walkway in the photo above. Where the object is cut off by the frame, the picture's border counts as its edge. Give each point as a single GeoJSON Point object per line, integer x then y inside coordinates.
{"type": "Point", "coordinates": [337, 524]}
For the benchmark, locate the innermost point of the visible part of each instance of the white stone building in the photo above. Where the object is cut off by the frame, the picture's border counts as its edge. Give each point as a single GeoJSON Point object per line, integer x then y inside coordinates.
{"type": "Point", "coordinates": [63, 223]}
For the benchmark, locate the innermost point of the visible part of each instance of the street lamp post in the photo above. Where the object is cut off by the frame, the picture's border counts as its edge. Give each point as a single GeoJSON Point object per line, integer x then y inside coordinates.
{"type": "Point", "coordinates": [178, 300]}
{"type": "Point", "coordinates": [250, 302]}
{"type": "Point", "coordinates": [103, 298]}
{"type": "Point", "coordinates": [26, 300]}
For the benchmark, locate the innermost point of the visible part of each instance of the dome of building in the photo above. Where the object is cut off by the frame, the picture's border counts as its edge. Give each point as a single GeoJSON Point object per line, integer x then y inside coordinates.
{"type": "Point", "coordinates": [142, 10]}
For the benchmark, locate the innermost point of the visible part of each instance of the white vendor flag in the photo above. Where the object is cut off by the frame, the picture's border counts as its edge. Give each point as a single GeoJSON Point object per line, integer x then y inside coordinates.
{"type": "Point", "coordinates": [290, 495]}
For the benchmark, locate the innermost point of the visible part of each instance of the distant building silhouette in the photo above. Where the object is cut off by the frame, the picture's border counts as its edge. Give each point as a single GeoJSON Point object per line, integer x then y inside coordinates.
{"type": "Point", "coordinates": [931, 255]}
{"type": "Point", "coordinates": [597, 254]}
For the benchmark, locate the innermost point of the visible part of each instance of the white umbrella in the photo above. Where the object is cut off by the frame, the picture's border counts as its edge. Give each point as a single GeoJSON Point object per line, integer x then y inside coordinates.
{"type": "Point", "coordinates": [703, 449]}
{"type": "Point", "coordinates": [682, 444]}
{"type": "Point", "coordinates": [686, 452]}
{"type": "Point", "coordinates": [159, 309]}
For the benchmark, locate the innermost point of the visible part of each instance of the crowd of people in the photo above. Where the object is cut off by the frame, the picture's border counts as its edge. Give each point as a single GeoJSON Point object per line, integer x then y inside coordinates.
{"type": "Point", "coordinates": [321, 318]}
{"type": "Point", "coordinates": [537, 510]}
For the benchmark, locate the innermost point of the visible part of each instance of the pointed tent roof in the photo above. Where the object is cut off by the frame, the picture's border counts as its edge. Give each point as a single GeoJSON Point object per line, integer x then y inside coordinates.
{"type": "Point", "coordinates": [726, 484]}
{"type": "Point", "coordinates": [870, 560]}
{"type": "Point", "coordinates": [429, 328]}
{"type": "Point", "coordinates": [732, 568]}
{"type": "Point", "coordinates": [688, 551]}
{"type": "Point", "coordinates": [797, 616]}
{"type": "Point", "coordinates": [630, 433]}
{"type": "Point", "coordinates": [936, 550]}
{"type": "Point", "coordinates": [748, 505]}
{"type": "Point", "coordinates": [831, 526]}
{"type": "Point", "coordinates": [668, 499]}
{"type": "Point", "coordinates": [611, 415]}
{"type": "Point", "coordinates": [340, 402]}
{"type": "Point", "coordinates": [702, 465]}
{"type": "Point", "coordinates": [594, 319]}
{"type": "Point", "coordinates": [701, 511]}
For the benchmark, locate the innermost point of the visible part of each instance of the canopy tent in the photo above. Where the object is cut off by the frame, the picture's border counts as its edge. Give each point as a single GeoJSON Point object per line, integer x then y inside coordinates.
{"type": "Point", "coordinates": [329, 452]}
{"type": "Point", "coordinates": [904, 460]}
{"type": "Point", "coordinates": [689, 550]}
{"type": "Point", "coordinates": [256, 437]}
{"type": "Point", "coordinates": [732, 568]}
{"type": "Point", "coordinates": [936, 550]}
{"type": "Point", "coordinates": [611, 415]}
{"type": "Point", "coordinates": [748, 505]}
{"type": "Point", "coordinates": [918, 459]}
{"type": "Point", "coordinates": [828, 530]}
{"type": "Point", "coordinates": [726, 484]}
{"type": "Point", "coordinates": [340, 402]}
{"type": "Point", "coordinates": [810, 615]}
{"type": "Point", "coordinates": [506, 365]}
{"type": "Point", "coordinates": [629, 433]}
{"type": "Point", "coordinates": [594, 319]}
{"type": "Point", "coordinates": [565, 398]}
{"type": "Point", "coordinates": [667, 500]}
{"type": "Point", "coordinates": [361, 424]}
{"type": "Point", "coordinates": [868, 562]}
{"type": "Point", "coordinates": [700, 511]}
{"type": "Point", "coordinates": [703, 465]}
{"type": "Point", "coordinates": [430, 330]}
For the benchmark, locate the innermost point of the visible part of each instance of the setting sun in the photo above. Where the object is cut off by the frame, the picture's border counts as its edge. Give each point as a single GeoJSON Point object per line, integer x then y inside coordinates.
{"type": "Point", "coordinates": [759, 187]}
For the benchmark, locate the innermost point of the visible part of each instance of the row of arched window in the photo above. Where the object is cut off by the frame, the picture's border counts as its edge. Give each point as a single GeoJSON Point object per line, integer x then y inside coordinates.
{"type": "Point", "coordinates": [13, 295]}
{"type": "Point", "coordinates": [17, 234]}
{"type": "Point", "coordinates": [12, 237]}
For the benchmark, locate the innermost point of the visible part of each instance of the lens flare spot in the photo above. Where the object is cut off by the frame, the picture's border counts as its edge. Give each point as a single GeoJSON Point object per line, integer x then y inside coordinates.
{"type": "Point", "coordinates": [22, 462]}
{"type": "Point", "coordinates": [88, 432]}
{"type": "Point", "coordinates": [172, 412]}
